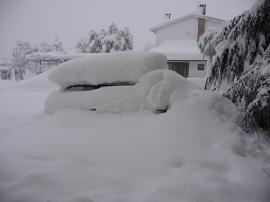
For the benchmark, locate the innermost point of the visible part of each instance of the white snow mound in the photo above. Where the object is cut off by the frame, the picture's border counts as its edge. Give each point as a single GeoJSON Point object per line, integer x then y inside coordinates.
{"type": "Point", "coordinates": [37, 82]}
{"type": "Point", "coordinates": [159, 88]}
{"type": "Point", "coordinates": [152, 92]}
{"type": "Point", "coordinates": [107, 68]}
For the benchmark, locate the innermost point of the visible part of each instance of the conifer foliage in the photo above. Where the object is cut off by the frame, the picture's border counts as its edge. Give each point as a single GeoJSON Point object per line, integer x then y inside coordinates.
{"type": "Point", "coordinates": [240, 64]}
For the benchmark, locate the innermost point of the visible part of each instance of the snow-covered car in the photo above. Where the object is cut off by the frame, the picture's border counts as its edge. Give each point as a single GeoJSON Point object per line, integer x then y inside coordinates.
{"type": "Point", "coordinates": [115, 82]}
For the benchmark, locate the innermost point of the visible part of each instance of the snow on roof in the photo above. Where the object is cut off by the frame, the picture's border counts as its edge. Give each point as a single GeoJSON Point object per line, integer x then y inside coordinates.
{"type": "Point", "coordinates": [180, 50]}
{"type": "Point", "coordinates": [54, 56]}
{"type": "Point", "coordinates": [4, 67]}
{"type": "Point", "coordinates": [103, 68]}
{"type": "Point", "coordinates": [176, 20]}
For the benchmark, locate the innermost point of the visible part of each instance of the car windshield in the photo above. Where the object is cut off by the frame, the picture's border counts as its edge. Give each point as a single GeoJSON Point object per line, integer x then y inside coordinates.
{"type": "Point", "coordinates": [88, 87]}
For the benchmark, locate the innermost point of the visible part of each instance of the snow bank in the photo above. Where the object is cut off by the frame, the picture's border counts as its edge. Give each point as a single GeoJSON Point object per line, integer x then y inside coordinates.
{"type": "Point", "coordinates": [200, 82]}
{"type": "Point", "coordinates": [36, 82]}
{"type": "Point", "coordinates": [103, 68]}
{"type": "Point", "coordinates": [6, 83]}
{"type": "Point", "coordinates": [152, 92]}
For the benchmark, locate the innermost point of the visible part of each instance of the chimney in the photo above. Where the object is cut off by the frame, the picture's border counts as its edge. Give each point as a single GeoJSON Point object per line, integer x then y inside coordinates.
{"type": "Point", "coordinates": [201, 8]}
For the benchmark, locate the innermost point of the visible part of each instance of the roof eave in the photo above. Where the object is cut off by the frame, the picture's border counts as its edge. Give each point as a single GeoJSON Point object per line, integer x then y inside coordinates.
{"type": "Point", "coordinates": [165, 24]}
{"type": "Point", "coordinates": [155, 28]}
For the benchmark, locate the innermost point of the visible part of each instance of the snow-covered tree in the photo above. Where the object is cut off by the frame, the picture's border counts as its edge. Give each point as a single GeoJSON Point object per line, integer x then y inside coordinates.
{"type": "Point", "coordinates": [126, 39]}
{"type": "Point", "coordinates": [19, 61]}
{"type": "Point", "coordinates": [82, 45]}
{"type": "Point", "coordinates": [94, 43]}
{"type": "Point", "coordinates": [57, 45]}
{"type": "Point", "coordinates": [241, 68]}
{"type": "Point", "coordinates": [204, 44]}
{"type": "Point", "coordinates": [44, 47]}
{"type": "Point", "coordinates": [106, 41]}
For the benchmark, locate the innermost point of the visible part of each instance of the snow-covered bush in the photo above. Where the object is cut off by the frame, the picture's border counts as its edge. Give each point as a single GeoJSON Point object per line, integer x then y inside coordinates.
{"type": "Point", "coordinates": [25, 57]}
{"type": "Point", "coordinates": [19, 61]}
{"type": "Point", "coordinates": [45, 47]}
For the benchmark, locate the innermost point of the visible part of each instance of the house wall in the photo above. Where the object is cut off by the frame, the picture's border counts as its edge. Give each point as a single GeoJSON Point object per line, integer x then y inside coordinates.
{"type": "Point", "coordinates": [188, 29]}
{"type": "Point", "coordinates": [193, 69]}
{"type": "Point", "coordinates": [185, 29]}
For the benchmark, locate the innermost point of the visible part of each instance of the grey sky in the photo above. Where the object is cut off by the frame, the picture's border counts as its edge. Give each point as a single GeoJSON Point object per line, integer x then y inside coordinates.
{"type": "Point", "coordinates": [70, 20]}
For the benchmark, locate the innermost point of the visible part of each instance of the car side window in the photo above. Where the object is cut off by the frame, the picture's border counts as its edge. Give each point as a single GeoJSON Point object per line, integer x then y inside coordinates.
{"type": "Point", "coordinates": [81, 88]}
{"type": "Point", "coordinates": [94, 87]}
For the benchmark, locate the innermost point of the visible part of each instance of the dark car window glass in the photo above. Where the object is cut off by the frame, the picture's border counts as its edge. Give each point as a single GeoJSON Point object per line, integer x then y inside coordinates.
{"type": "Point", "coordinates": [75, 88]}
{"type": "Point", "coordinates": [93, 87]}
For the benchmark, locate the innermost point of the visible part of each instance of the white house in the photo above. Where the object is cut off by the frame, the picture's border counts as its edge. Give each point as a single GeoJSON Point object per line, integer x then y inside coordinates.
{"type": "Point", "coordinates": [5, 72]}
{"type": "Point", "coordinates": [5, 69]}
{"type": "Point", "coordinates": [177, 39]}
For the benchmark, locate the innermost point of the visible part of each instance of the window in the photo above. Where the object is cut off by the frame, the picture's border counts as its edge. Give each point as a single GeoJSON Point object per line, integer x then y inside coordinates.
{"type": "Point", "coordinates": [81, 88]}
{"type": "Point", "coordinates": [180, 67]}
{"type": "Point", "coordinates": [200, 66]}
{"type": "Point", "coordinates": [94, 87]}
{"type": "Point", "coordinates": [4, 74]}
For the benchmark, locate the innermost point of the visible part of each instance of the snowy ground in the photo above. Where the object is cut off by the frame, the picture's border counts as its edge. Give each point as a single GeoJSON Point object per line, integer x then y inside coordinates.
{"type": "Point", "coordinates": [198, 81]}
{"type": "Point", "coordinates": [192, 153]}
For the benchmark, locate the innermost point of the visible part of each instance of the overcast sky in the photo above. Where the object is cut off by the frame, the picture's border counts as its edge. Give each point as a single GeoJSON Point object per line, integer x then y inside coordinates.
{"type": "Point", "coordinates": [70, 20]}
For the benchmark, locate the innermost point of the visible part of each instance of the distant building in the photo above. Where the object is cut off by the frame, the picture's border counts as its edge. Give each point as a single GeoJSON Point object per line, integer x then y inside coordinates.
{"type": "Point", "coordinates": [5, 69]}
{"type": "Point", "coordinates": [178, 38]}
{"type": "Point", "coordinates": [5, 72]}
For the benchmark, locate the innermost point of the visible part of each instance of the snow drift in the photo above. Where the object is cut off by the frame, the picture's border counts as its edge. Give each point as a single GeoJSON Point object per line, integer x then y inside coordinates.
{"type": "Point", "coordinates": [37, 82]}
{"type": "Point", "coordinates": [192, 153]}
{"type": "Point", "coordinates": [107, 68]}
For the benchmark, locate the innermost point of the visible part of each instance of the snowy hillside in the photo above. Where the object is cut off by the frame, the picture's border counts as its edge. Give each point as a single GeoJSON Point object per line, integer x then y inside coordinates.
{"type": "Point", "coordinates": [192, 153]}
{"type": "Point", "coordinates": [239, 64]}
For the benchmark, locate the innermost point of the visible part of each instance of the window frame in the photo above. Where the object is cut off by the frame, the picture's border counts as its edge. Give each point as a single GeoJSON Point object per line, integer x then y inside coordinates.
{"type": "Point", "coordinates": [200, 66]}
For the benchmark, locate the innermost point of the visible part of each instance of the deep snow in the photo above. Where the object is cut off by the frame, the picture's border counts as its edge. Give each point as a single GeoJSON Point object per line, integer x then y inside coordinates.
{"type": "Point", "coordinates": [192, 153]}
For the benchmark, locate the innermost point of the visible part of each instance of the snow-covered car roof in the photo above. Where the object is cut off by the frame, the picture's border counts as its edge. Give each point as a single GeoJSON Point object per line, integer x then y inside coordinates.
{"type": "Point", "coordinates": [103, 68]}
